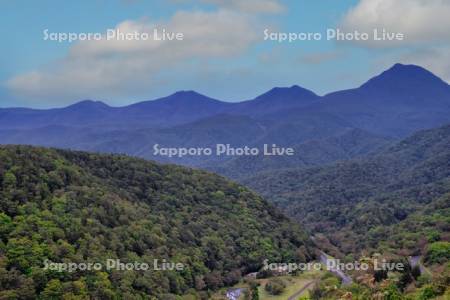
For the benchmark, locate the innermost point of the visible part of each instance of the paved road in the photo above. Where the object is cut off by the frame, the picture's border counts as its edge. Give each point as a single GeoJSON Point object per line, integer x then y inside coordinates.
{"type": "Point", "coordinates": [346, 280]}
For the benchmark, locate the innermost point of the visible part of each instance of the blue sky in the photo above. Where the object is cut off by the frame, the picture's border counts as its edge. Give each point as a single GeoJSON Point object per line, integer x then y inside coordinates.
{"type": "Point", "coordinates": [224, 55]}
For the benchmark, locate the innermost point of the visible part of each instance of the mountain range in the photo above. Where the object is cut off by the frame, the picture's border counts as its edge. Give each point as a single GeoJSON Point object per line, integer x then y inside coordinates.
{"type": "Point", "coordinates": [322, 129]}
{"type": "Point", "coordinates": [370, 174]}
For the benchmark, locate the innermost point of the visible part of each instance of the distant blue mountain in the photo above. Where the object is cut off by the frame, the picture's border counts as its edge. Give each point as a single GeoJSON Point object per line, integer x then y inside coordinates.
{"type": "Point", "coordinates": [274, 100]}
{"type": "Point", "coordinates": [406, 79]}
{"type": "Point", "coordinates": [401, 100]}
{"type": "Point", "coordinates": [83, 113]}
{"type": "Point", "coordinates": [402, 95]}
{"type": "Point", "coordinates": [179, 108]}
{"type": "Point", "coordinates": [394, 104]}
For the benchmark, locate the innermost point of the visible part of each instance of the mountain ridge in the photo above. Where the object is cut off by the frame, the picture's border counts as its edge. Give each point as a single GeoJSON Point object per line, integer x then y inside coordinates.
{"type": "Point", "coordinates": [288, 117]}
{"type": "Point", "coordinates": [395, 70]}
{"type": "Point", "coordinates": [400, 74]}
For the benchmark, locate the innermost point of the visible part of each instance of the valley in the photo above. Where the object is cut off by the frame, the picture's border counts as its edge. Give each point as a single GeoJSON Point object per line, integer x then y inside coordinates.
{"type": "Point", "coordinates": [360, 175]}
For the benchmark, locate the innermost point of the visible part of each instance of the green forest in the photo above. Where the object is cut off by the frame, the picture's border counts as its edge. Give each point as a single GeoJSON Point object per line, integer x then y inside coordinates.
{"type": "Point", "coordinates": [60, 206]}
{"type": "Point", "coordinates": [393, 205]}
{"type": "Point", "coordinates": [396, 201]}
{"type": "Point", "coordinates": [65, 206]}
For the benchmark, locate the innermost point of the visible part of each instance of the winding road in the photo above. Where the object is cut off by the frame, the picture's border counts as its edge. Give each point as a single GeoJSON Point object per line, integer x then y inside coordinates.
{"type": "Point", "coordinates": [324, 258]}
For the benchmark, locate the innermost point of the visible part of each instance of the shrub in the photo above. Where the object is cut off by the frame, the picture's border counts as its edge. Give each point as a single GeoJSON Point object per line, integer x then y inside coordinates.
{"type": "Point", "coordinates": [438, 252]}
{"type": "Point", "coordinates": [275, 286]}
{"type": "Point", "coordinates": [427, 292]}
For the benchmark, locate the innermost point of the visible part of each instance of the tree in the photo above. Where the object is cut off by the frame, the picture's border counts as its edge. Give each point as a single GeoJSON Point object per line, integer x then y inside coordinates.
{"type": "Point", "coordinates": [9, 180]}
{"type": "Point", "coordinates": [275, 286]}
{"type": "Point", "coordinates": [53, 290]}
{"type": "Point", "coordinates": [438, 252]}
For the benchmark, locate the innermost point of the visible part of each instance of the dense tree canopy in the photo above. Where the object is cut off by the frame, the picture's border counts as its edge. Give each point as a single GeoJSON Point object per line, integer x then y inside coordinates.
{"type": "Point", "coordinates": [64, 206]}
{"type": "Point", "coordinates": [395, 201]}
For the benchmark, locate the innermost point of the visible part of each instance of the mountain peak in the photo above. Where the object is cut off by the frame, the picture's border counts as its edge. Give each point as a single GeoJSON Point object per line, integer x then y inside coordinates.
{"type": "Point", "coordinates": [293, 92]}
{"type": "Point", "coordinates": [399, 68]}
{"type": "Point", "coordinates": [88, 104]}
{"type": "Point", "coordinates": [405, 76]}
{"type": "Point", "coordinates": [186, 96]}
{"type": "Point", "coordinates": [187, 93]}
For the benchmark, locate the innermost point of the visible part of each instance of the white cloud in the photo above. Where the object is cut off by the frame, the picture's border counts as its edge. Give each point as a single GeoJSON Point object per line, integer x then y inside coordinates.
{"type": "Point", "coordinates": [422, 21]}
{"type": "Point", "coordinates": [114, 69]}
{"type": "Point", "coordinates": [425, 24]}
{"type": "Point", "coordinates": [436, 59]}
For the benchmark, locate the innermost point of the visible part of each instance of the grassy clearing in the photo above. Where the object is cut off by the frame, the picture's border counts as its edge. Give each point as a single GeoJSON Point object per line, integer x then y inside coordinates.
{"type": "Point", "coordinates": [293, 284]}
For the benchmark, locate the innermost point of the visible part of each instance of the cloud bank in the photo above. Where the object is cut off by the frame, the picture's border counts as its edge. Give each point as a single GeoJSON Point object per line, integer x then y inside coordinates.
{"type": "Point", "coordinates": [110, 68]}
{"type": "Point", "coordinates": [425, 24]}
{"type": "Point", "coordinates": [420, 20]}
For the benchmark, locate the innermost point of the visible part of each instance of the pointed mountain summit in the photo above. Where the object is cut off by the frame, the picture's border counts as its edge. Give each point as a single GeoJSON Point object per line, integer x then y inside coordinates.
{"type": "Point", "coordinates": [293, 93]}
{"type": "Point", "coordinates": [402, 99]}
{"type": "Point", "coordinates": [177, 98]}
{"type": "Point", "coordinates": [276, 99]}
{"type": "Point", "coordinates": [180, 107]}
{"type": "Point", "coordinates": [87, 105]}
{"type": "Point", "coordinates": [406, 78]}
{"type": "Point", "coordinates": [187, 94]}
{"type": "Point", "coordinates": [191, 97]}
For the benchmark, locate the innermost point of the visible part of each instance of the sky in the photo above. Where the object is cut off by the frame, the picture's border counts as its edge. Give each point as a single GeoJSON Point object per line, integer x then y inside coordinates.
{"type": "Point", "coordinates": [229, 50]}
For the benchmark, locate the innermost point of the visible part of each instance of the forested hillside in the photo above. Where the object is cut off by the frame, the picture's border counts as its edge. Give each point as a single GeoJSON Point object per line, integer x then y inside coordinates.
{"type": "Point", "coordinates": [395, 202]}
{"type": "Point", "coordinates": [351, 143]}
{"type": "Point", "coordinates": [78, 207]}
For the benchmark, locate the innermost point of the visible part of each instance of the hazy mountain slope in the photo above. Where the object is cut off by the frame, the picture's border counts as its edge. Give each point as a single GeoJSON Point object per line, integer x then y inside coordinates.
{"type": "Point", "coordinates": [398, 102]}
{"type": "Point", "coordinates": [81, 207]}
{"type": "Point", "coordinates": [79, 114]}
{"type": "Point", "coordinates": [179, 108]}
{"type": "Point", "coordinates": [238, 131]}
{"type": "Point", "coordinates": [208, 132]}
{"type": "Point", "coordinates": [319, 143]}
{"type": "Point", "coordinates": [350, 201]}
{"type": "Point", "coordinates": [394, 104]}
{"type": "Point", "coordinates": [352, 143]}
{"type": "Point", "coordinates": [274, 100]}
